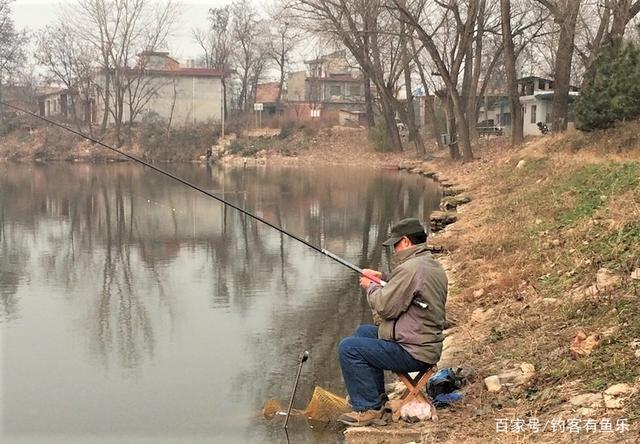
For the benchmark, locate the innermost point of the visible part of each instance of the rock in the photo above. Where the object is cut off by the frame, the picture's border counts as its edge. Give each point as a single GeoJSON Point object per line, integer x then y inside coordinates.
{"type": "Point", "coordinates": [589, 400]}
{"type": "Point", "coordinates": [583, 345]}
{"type": "Point", "coordinates": [616, 396]}
{"type": "Point", "coordinates": [493, 384]}
{"type": "Point", "coordinates": [619, 390]}
{"type": "Point", "coordinates": [453, 202]}
{"type": "Point", "coordinates": [606, 278]}
{"type": "Point", "coordinates": [555, 242]}
{"type": "Point", "coordinates": [480, 316]}
{"type": "Point", "coordinates": [636, 274]}
{"type": "Point", "coordinates": [518, 376]}
{"type": "Point", "coordinates": [438, 220]}
{"type": "Point", "coordinates": [478, 293]}
{"type": "Point", "coordinates": [521, 164]}
{"type": "Point", "coordinates": [538, 221]}
{"type": "Point", "coordinates": [550, 301]}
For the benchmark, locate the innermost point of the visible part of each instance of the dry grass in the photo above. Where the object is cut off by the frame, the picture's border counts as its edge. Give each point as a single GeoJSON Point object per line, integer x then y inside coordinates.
{"type": "Point", "coordinates": [543, 231]}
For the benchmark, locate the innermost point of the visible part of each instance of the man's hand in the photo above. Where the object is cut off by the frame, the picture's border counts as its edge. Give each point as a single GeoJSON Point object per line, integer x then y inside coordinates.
{"type": "Point", "coordinates": [364, 279]}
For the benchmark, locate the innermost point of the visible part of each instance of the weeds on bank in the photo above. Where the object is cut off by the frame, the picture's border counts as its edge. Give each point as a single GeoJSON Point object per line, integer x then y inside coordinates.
{"type": "Point", "coordinates": [553, 224]}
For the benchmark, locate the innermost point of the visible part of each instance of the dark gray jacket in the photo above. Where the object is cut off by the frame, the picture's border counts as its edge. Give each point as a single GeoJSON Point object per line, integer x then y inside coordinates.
{"type": "Point", "coordinates": [417, 330]}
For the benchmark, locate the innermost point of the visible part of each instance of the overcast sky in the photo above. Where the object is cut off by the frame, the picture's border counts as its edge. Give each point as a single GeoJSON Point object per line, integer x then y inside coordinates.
{"type": "Point", "coordinates": [35, 14]}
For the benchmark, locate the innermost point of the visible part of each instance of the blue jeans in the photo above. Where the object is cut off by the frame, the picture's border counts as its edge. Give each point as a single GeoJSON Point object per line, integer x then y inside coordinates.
{"type": "Point", "coordinates": [363, 357]}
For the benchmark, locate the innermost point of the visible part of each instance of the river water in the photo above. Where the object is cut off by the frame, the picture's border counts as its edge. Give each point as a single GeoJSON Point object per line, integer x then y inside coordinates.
{"type": "Point", "coordinates": [135, 310]}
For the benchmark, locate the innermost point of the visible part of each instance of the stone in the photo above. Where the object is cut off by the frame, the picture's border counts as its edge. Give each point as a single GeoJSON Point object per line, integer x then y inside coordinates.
{"type": "Point", "coordinates": [438, 220]}
{"type": "Point", "coordinates": [619, 390]}
{"type": "Point", "coordinates": [555, 242]}
{"type": "Point", "coordinates": [636, 274]}
{"type": "Point", "coordinates": [550, 301]}
{"type": "Point", "coordinates": [606, 278]}
{"type": "Point", "coordinates": [492, 383]}
{"type": "Point", "coordinates": [479, 315]}
{"type": "Point", "coordinates": [583, 345]}
{"type": "Point", "coordinates": [478, 293]}
{"type": "Point", "coordinates": [453, 202]}
{"type": "Point", "coordinates": [616, 396]}
{"type": "Point", "coordinates": [521, 164]}
{"type": "Point", "coordinates": [518, 376]}
{"type": "Point", "coordinates": [589, 400]}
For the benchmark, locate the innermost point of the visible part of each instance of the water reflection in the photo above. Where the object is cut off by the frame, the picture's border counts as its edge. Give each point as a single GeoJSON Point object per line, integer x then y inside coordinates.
{"type": "Point", "coordinates": [157, 282]}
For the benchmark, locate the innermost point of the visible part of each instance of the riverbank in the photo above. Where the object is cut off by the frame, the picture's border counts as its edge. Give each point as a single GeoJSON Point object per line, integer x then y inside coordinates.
{"type": "Point", "coordinates": [545, 268]}
{"type": "Point", "coordinates": [300, 145]}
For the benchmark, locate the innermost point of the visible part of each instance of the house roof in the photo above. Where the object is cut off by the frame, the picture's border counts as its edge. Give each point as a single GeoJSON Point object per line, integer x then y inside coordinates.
{"type": "Point", "coordinates": [324, 58]}
{"type": "Point", "coordinates": [336, 78]}
{"type": "Point", "coordinates": [525, 79]}
{"type": "Point", "coordinates": [51, 91]}
{"type": "Point", "coordinates": [162, 54]}
{"type": "Point", "coordinates": [183, 72]}
{"type": "Point", "coordinates": [267, 92]}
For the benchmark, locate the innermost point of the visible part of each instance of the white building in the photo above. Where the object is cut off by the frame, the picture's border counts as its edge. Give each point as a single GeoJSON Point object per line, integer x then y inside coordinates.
{"type": "Point", "coordinates": [536, 99]}
{"type": "Point", "coordinates": [184, 95]}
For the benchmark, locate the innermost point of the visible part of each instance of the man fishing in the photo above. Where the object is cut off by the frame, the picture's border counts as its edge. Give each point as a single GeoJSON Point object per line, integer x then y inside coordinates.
{"type": "Point", "coordinates": [411, 313]}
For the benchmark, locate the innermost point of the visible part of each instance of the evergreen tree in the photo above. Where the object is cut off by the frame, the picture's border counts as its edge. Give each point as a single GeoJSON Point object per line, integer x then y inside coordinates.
{"type": "Point", "coordinates": [611, 91]}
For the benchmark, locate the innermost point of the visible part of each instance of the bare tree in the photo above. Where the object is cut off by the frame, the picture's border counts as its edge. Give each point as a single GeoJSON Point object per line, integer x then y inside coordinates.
{"type": "Point", "coordinates": [246, 34]}
{"type": "Point", "coordinates": [121, 30]}
{"type": "Point", "coordinates": [284, 39]}
{"type": "Point", "coordinates": [69, 61]}
{"type": "Point", "coordinates": [371, 35]}
{"type": "Point", "coordinates": [412, 15]}
{"type": "Point", "coordinates": [565, 14]}
{"type": "Point", "coordinates": [12, 44]}
{"type": "Point", "coordinates": [517, 135]}
{"type": "Point", "coordinates": [217, 45]}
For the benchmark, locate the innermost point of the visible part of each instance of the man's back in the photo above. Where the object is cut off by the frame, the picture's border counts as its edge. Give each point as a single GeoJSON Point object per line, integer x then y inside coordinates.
{"type": "Point", "coordinates": [417, 329]}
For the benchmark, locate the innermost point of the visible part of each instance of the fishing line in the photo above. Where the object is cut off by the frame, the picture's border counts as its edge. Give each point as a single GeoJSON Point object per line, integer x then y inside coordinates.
{"type": "Point", "coordinates": [203, 191]}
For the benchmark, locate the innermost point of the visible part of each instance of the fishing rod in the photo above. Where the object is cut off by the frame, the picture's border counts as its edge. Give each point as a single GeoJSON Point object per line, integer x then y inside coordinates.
{"type": "Point", "coordinates": [207, 193]}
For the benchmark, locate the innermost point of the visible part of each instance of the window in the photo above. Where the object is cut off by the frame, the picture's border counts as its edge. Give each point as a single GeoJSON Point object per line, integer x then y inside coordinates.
{"type": "Point", "coordinates": [533, 114]}
{"type": "Point", "coordinates": [335, 90]}
{"type": "Point", "coordinates": [354, 89]}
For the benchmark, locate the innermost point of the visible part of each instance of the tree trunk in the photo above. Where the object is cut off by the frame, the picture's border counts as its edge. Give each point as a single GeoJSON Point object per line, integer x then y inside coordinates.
{"type": "Point", "coordinates": [393, 136]}
{"type": "Point", "coordinates": [414, 134]}
{"type": "Point", "coordinates": [563, 65]}
{"type": "Point", "coordinates": [466, 94]}
{"type": "Point", "coordinates": [621, 15]}
{"type": "Point", "coordinates": [107, 91]}
{"type": "Point", "coordinates": [472, 102]}
{"type": "Point", "coordinates": [368, 99]}
{"type": "Point", "coordinates": [429, 111]}
{"type": "Point", "coordinates": [281, 82]}
{"type": "Point", "coordinates": [463, 127]}
{"type": "Point", "coordinates": [510, 66]}
{"type": "Point", "coordinates": [454, 151]}
{"type": "Point", "coordinates": [224, 98]}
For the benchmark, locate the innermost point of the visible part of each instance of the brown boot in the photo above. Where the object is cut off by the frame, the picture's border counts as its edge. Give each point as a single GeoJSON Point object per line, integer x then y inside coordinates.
{"type": "Point", "coordinates": [361, 419]}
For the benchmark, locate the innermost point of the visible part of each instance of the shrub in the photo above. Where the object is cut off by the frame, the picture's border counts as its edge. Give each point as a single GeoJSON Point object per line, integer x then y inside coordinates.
{"type": "Point", "coordinates": [177, 143]}
{"type": "Point", "coordinates": [611, 90]}
{"type": "Point", "coordinates": [378, 136]}
{"type": "Point", "coordinates": [287, 129]}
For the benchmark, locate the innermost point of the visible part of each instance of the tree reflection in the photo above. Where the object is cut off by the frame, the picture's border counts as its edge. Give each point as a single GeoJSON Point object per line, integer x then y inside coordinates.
{"type": "Point", "coordinates": [119, 229]}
